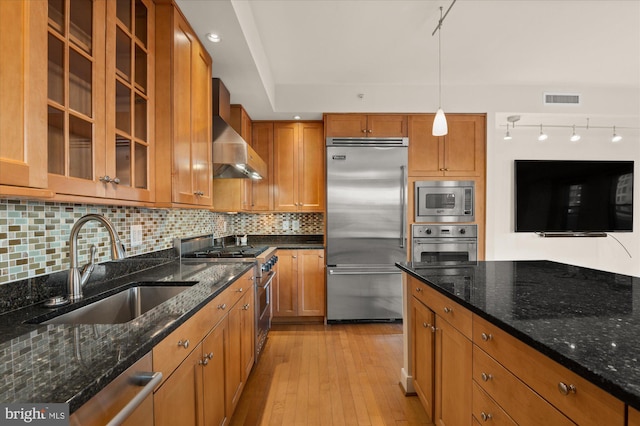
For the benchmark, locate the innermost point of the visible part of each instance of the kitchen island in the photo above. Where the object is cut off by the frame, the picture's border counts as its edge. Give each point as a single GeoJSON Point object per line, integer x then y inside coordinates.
{"type": "Point", "coordinates": [587, 321]}
{"type": "Point", "coordinates": [72, 363]}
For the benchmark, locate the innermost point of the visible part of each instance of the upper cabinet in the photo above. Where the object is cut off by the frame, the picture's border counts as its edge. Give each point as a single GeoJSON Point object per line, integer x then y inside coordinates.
{"type": "Point", "coordinates": [262, 190]}
{"type": "Point", "coordinates": [298, 166]}
{"type": "Point", "coordinates": [23, 94]}
{"type": "Point", "coordinates": [183, 112]}
{"type": "Point", "coordinates": [362, 125]}
{"type": "Point", "coordinates": [100, 95]}
{"type": "Point", "coordinates": [459, 153]}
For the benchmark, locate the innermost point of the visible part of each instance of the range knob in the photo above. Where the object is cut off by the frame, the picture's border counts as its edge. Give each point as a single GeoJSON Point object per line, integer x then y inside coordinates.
{"type": "Point", "coordinates": [428, 231]}
{"type": "Point", "coordinates": [463, 231]}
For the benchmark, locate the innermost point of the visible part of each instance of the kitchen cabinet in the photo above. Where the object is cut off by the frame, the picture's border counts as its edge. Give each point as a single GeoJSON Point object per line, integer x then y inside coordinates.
{"type": "Point", "coordinates": [633, 417]}
{"type": "Point", "coordinates": [298, 166]}
{"type": "Point", "coordinates": [262, 190]}
{"type": "Point", "coordinates": [205, 361]}
{"type": "Point", "coordinates": [363, 125]}
{"type": "Point", "coordinates": [233, 195]}
{"type": "Point", "coordinates": [100, 111]}
{"type": "Point", "coordinates": [23, 95]}
{"type": "Point", "coordinates": [460, 153]}
{"type": "Point", "coordinates": [556, 394]}
{"type": "Point", "coordinates": [299, 289]}
{"type": "Point", "coordinates": [183, 112]}
{"type": "Point", "coordinates": [443, 360]}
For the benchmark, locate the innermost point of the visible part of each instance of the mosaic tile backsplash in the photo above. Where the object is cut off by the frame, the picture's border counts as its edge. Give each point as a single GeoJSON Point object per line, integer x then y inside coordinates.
{"type": "Point", "coordinates": [34, 236]}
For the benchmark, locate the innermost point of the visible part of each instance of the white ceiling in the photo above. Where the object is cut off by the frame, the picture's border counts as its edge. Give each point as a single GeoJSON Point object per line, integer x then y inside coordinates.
{"type": "Point", "coordinates": [284, 57]}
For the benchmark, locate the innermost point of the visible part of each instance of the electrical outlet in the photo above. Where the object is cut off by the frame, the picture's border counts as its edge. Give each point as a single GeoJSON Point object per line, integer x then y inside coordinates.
{"type": "Point", "coordinates": [136, 235]}
{"type": "Point", "coordinates": [295, 224]}
{"type": "Point", "coordinates": [285, 224]}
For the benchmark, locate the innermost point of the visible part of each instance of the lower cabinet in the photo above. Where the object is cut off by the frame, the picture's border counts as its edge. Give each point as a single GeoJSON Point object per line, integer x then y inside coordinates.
{"type": "Point", "coordinates": [207, 384]}
{"type": "Point", "coordinates": [442, 357]}
{"type": "Point", "coordinates": [633, 417]}
{"type": "Point", "coordinates": [300, 289]}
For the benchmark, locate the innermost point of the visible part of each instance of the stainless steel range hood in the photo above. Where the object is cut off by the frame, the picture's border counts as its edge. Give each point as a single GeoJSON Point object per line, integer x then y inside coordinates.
{"type": "Point", "coordinates": [233, 157]}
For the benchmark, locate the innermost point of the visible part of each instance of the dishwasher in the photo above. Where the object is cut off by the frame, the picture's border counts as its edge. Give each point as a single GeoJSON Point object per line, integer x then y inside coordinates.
{"type": "Point", "coordinates": [127, 400]}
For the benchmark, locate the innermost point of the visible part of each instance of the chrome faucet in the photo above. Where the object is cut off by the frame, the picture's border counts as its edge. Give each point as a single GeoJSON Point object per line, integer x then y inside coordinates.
{"type": "Point", "coordinates": [77, 277]}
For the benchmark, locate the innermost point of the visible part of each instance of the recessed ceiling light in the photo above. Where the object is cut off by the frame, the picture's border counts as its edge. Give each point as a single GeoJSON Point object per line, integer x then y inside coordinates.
{"type": "Point", "coordinates": [214, 38]}
{"type": "Point", "coordinates": [296, 117]}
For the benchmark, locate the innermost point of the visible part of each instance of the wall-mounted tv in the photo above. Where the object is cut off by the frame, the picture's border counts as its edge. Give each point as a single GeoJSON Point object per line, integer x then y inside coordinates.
{"type": "Point", "coordinates": [573, 196]}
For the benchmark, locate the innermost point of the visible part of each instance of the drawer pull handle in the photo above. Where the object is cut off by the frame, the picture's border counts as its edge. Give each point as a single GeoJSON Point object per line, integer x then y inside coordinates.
{"type": "Point", "coordinates": [183, 343]}
{"type": "Point", "coordinates": [566, 389]}
{"type": "Point", "coordinates": [222, 306]}
{"type": "Point", "coordinates": [448, 310]}
{"type": "Point", "coordinates": [418, 289]}
{"type": "Point", "coordinates": [485, 416]}
{"type": "Point", "coordinates": [486, 337]}
{"type": "Point", "coordinates": [486, 377]}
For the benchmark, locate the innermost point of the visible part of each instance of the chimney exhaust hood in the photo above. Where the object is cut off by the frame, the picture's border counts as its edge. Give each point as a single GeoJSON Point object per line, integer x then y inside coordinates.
{"type": "Point", "coordinates": [233, 157]}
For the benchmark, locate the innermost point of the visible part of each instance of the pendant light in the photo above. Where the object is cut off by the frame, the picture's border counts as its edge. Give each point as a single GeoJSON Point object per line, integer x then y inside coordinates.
{"type": "Point", "coordinates": [440, 127]}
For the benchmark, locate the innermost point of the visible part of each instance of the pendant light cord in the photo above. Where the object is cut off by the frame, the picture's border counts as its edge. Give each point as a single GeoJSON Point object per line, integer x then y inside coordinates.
{"type": "Point", "coordinates": [440, 60]}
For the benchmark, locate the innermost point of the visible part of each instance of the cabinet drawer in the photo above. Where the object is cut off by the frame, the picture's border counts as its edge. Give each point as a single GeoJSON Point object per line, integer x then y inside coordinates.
{"type": "Point", "coordinates": [485, 409]}
{"type": "Point", "coordinates": [523, 405]}
{"type": "Point", "coordinates": [444, 307]}
{"type": "Point", "coordinates": [586, 405]}
{"type": "Point", "coordinates": [238, 289]}
{"type": "Point", "coordinates": [171, 351]}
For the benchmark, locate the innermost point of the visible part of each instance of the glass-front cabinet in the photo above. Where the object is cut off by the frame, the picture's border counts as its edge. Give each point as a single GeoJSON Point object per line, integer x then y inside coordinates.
{"type": "Point", "coordinates": [100, 117]}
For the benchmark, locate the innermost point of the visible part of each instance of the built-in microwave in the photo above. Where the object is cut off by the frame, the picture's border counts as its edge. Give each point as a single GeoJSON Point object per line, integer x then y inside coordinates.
{"type": "Point", "coordinates": [445, 201]}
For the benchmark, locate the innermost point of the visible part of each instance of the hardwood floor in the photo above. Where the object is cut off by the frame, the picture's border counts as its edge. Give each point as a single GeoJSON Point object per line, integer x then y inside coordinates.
{"type": "Point", "coordinates": [345, 374]}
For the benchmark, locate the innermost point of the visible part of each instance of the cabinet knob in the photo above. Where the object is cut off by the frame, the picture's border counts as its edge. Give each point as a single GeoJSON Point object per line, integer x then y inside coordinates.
{"type": "Point", "coordinates": [250, 279]}
{"type": "Point", "coordinates": [486, 377]}
{"type": "Point", "coordinates": [245, 307]}
{"type": "Point", "coordinates": [370, 131]}
{"type": "Point", "coordinates": [183, 343]}
{"type": "Point", "coordinates": [418, 289]}
{"type": "Point", "coordinates": [204, 361]}
{"type": "Point", "coordinates": [486, 337]}
{"type": "Point", "coordinates": [566, 389]}
{"type": "Point", "coordinates": [294, 257]}
{"type": "Point", "coordinates": [209, 355]}
{"type": "Point", "coordinates": [108, 179]}
{"type": "Point", "coordinates": [222, 306]}
{"type": "Point", "coordinates": [485, 416]}
{"type": "Point", "coordinates": [448, 310]}
{"type": "Point", "coordinates": [364, 130]}
{"type": "Point", "coordinates": [425, 325]}
{"type": "Point", "coordinates": [240, 290]}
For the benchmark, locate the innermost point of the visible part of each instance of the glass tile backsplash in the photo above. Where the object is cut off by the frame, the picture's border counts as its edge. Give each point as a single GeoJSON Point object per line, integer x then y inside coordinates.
{"type": "Point", "coordinates": [34, 235]}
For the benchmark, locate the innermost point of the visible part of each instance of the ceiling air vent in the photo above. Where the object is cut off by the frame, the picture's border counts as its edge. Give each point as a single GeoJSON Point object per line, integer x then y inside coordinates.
{"type": "Point", "coordinates": [561, 99]}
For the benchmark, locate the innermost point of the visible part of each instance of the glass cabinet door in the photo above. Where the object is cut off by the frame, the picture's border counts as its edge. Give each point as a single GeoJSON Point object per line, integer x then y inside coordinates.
{"type": "Point", "coordinates": [75, 60]}
{"type": "Point", "coordinates": [129, 36]}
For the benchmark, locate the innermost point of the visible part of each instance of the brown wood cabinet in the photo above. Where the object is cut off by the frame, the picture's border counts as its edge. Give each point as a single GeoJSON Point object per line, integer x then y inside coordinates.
{"type": "Point", "coordinates": [298, 166]}
{"type": "Point", "coordinates": [299, 289]}
{"type": "Point", "coordinates": [365, 125]}
{"type": "Point", "coordinates": [262, 190]}
{"type": "Point", "coordinates": [23, 95]}
{"type": "Point", "coordinates": [213, 376]}
{"type": "Point", "coordinates": [441, 355]}
{"type": "Point", "coordinates": [633, 417]}
{"type": "Point", "coordinates": [460, 153]}
{"type": "Point", "coordinates": [183, 112]}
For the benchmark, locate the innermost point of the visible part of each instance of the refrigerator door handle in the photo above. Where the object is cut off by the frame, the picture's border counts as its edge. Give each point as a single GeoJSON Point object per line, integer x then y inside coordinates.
{"type": "Point", "coordinates": [403, 210]}
{"type": "Point", "coordinates": [360, 272]}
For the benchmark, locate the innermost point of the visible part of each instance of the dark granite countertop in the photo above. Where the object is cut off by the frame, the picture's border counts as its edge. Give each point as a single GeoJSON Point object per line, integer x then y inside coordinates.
{"type": "Point", "coordinates": [586, 320]}
{"type": "Point", "coordinates": [292, 242]}
{"type": "Point", "coordinates": [71, 363]}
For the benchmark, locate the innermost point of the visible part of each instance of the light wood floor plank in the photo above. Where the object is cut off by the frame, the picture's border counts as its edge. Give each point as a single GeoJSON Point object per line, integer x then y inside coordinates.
{"type": "Point", "coordinates": [344, 374]}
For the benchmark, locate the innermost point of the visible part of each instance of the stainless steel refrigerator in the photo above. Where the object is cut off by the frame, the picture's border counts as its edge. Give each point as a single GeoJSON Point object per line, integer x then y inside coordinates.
{"type": "Point", "coordinates": [366, 227]}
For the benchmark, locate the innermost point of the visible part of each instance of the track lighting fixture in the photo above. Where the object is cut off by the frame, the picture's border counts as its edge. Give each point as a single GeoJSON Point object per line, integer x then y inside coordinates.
{"type": "Point", "coordinates": [616, 137]}
{"type": "Point", "coordinates": [574, 137]}
{"type": "Point", "coordinates": [542, 136]}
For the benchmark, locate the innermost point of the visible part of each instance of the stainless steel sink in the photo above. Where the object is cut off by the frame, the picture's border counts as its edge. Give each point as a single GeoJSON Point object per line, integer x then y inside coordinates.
{"type": "Point", "coordinates": [121, 307]}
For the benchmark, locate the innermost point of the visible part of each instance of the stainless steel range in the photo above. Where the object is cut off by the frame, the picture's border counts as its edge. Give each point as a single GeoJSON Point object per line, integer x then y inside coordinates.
{"type": "Point", "coordinates": [209, 249]}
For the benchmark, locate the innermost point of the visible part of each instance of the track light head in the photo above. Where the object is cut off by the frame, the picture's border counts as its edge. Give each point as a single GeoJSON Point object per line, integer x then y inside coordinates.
{"type": "Point", "coordinates": [574, 137]}
{"type": "Point", "coordinates": [542, 136]}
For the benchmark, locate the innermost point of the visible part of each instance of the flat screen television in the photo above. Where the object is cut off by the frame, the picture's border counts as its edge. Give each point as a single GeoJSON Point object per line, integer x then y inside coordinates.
{"type": "Point", "coordinates": [573, 196]}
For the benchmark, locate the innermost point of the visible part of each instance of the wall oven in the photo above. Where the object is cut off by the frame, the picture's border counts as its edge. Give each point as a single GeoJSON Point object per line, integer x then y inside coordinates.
{"type": "Point", "coordinates": [444, 201]}
{"type": "Point", "coordinates": [444, 245]}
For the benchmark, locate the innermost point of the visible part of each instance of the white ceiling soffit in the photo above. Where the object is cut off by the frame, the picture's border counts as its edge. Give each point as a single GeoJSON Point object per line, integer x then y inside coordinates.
{"type": "Point", "coordinates": [280, 57]}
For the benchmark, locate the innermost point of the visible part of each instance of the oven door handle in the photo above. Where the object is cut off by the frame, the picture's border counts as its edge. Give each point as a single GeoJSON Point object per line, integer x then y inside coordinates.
{"type": "Point", "coordinates": [445, 241]}
{"type": "Point", "coordinates": [272, 275]}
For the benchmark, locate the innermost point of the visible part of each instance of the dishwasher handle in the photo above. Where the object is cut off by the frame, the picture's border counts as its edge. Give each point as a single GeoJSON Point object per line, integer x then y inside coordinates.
{"type": "Point", "coordinates": [149, 381]}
